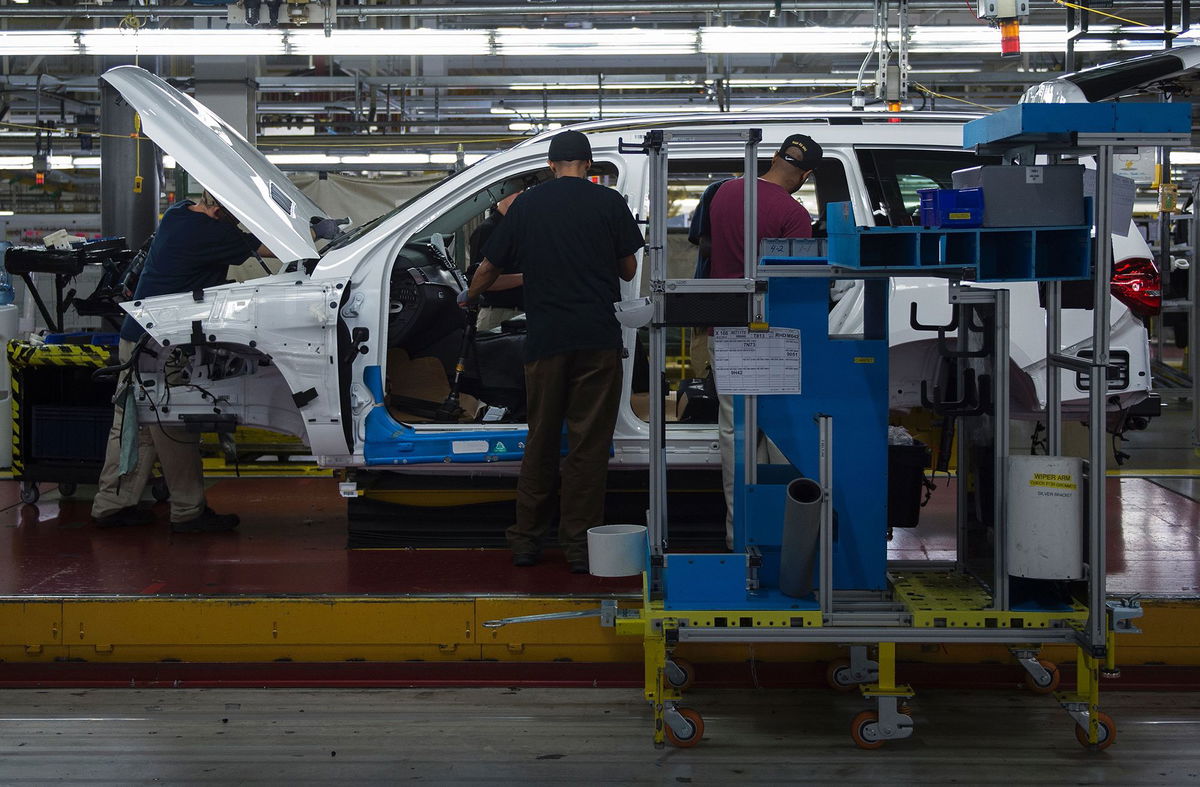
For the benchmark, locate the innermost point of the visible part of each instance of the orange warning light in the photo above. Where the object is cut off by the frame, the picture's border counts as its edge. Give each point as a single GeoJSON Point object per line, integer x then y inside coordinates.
{"type": "Point", "coordinates": [1010, 38]}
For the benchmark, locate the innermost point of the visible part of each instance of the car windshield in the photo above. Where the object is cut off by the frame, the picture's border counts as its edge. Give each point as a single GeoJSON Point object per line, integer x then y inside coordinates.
{"type": "Point", "coordinates": [359, 231]}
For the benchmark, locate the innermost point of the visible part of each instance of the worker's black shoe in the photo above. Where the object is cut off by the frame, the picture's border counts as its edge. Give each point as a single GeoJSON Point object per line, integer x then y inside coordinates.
{"type": "Point", "coordinates": [579, 566]}
{"type": "Point", "coordinates": [525, 559]}
{"type": "Point", "coordinates": [208, 522]}
{"type": "Point", "coordinates": [130, 516]}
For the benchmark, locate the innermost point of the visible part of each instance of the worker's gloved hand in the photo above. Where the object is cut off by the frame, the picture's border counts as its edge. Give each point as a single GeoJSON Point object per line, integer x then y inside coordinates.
{"type": "Point", "coordinates": [464, 299]}
{"type": "Point", "coordinates": [328, 229]}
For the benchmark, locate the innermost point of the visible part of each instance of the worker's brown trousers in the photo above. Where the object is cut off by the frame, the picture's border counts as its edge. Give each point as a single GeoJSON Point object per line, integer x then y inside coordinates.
{"type": "Point", "coordinates": [583, 389]}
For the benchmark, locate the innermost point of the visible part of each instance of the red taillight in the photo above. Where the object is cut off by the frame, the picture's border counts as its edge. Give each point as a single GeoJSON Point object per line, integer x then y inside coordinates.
{"type": "Point", "coordinates": [1136, 283]}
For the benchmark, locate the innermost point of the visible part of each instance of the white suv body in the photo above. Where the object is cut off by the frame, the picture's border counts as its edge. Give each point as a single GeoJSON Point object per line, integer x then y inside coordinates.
{"type": "Point", "coordinates": [311, 343]}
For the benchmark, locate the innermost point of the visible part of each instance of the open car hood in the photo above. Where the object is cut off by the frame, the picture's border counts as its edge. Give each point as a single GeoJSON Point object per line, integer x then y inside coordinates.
{"type": "Point", "coordinates": [1110, 80]}
{"type": "Point", "coordinates": [233, 170]}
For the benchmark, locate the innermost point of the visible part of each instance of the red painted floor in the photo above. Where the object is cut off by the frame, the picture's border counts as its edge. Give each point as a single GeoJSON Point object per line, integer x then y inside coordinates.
{"type": "Point", "coordinates": [292, 541]}
{"type": "Point", "coordinates": [293, 535]}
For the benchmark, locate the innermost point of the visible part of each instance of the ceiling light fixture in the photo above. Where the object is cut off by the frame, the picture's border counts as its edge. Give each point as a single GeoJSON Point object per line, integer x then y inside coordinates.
{"type": "Point", "coordinates": [627, 42]}
{"type": "Point", "coordinates": [29, 42]}
{"type": "Point", "coordinates": [119, 41]}
{"type": "Point", "coordinates": [389, 42]}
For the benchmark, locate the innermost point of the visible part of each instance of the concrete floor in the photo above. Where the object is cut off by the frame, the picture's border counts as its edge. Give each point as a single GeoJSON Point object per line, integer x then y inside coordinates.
{"type": "Point", "coordinates": [585, 736]}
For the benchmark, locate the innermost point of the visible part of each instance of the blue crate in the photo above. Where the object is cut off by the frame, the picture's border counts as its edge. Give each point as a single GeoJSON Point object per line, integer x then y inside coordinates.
{"type": "Point", "coordinates": [951, 207]}
{"type": "Point", "coordinates": [84, 337]}
{"type": "Point", "coordinates": [994, 254]}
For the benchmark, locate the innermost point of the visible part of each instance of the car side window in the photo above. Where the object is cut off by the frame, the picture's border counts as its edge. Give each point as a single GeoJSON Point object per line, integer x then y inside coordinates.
{"type": "Point", "coordinates": [893, 177]}
{"type": "Point", "coordinates": [461, 219]}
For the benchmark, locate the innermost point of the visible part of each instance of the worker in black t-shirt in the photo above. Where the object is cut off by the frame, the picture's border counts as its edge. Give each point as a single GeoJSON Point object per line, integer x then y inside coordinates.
{"type": "Point", "coordinates": [574, 241]}
{"type": "Point", "coordinates": [506, 297]}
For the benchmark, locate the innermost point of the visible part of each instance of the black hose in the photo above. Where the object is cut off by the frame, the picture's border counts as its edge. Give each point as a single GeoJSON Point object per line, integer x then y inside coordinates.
{"type": "Point", "coordinates": [112, 371]}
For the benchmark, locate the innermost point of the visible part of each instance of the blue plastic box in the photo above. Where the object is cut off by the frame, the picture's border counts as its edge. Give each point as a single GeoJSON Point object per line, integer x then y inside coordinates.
{"type": "Point", "coordinates": [951, 207]}
{"type": "Point", "coordinates": [84, 337]}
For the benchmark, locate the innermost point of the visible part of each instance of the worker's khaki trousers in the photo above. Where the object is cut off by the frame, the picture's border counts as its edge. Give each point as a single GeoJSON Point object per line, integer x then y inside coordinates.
{"type": "Point", "coordinates": [177, 450]}
{"type": "Point", "coordinates": [582, 389]}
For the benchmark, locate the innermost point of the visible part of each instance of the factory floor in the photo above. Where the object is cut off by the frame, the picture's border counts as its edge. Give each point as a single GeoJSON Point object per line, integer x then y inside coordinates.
{"type": "Point", "coordinates": [293, 541]}
{"type": "Point", "coordinates": [585, 736]}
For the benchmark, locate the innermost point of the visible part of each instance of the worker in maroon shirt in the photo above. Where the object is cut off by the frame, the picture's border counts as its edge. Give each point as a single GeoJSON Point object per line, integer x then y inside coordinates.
{"type": "Point", "coordinates": [779, 216]}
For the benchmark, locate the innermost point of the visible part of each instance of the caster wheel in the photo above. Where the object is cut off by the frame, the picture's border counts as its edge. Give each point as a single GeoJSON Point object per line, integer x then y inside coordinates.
{"type": "Point", "coordinates": [1050, 685]}
{"type": "Point", "coordinates": [858, 729]}
{"type": "Point", "coordinates": [697, 725]}
{"type": "Point", "coordinates": [68, 488]}
{"type": "Point", "coordinates": [837, 675]}
{"type": "Point", "coordinates": [686, 671]}
{"type": "Point", "coordinates": [160, 491]}
{"type": "Point", "coordinates": [30, 493]}
{"type": "Point", "coordinates": [1106, 735]}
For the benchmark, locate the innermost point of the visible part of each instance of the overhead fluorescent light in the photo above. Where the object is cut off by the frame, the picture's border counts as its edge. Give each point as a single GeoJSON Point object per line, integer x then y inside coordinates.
{"type": "Point", "coordinates": [389, 42]}
{"type": "Point", "coordinates": [302, 158]}
{"type": "Point", "coordinates": [8, 212]}
{"type": "Point", "coordinates": [30, 42]}
{"type": "Point", "coordinates": [627, 41]}
{"type": "Point", "coordinates": [1185, 157]}
{"type": "Point", "coordinates": [771, 40]}
{"type": "Point", "coordinates": [624, 42]}
{"type": "Point", "coordinates": [387, 158]}
{"type": "Point", "coordinates": [16, 162]}
{"type": "Point", "coordinates": [120, 41]}
{"type": "Point", "coordinates": [777, 82]}
{"type": "Point", "coordinates": [290, 131]}
{"type": "Point", "coordinates": [594, 110]}
{"type": "Point", "coordinates": [592, 86]}
{"type": "Point", "coordinates": [534, 126]}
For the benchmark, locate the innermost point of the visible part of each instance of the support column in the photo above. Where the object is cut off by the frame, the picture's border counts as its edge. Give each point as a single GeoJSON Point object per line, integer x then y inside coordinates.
{"type": "Point", "coordinates": [228, 86]}
{"type": "Point", "coordinates": [126, 209]}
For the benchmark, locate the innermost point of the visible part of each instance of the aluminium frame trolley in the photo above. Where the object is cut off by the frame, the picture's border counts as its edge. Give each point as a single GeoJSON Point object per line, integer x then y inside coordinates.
{"type": "Point", "coordinates": [809, 561]}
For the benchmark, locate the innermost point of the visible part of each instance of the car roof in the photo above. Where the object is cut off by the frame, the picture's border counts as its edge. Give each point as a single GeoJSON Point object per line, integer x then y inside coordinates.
{"type": "Point", "coordinates": [852, 127]}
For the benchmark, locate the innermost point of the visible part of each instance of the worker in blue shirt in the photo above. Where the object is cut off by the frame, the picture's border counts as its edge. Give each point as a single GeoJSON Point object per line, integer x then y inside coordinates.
{"type": "Point", "coordinates": [194, 246]}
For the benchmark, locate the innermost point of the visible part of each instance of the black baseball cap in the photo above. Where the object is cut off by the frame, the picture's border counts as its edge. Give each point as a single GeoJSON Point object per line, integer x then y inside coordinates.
{"type": "Point", "coordinates": [811, 155]}
{"type": "Point", "coordinates": [570, 146]}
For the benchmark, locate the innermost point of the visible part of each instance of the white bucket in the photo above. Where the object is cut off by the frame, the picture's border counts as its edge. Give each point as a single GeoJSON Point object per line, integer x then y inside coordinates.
{"type": "Point", "coordinates": [1045, 517]}
{"type": "Point", "coordinates": [616, 550]}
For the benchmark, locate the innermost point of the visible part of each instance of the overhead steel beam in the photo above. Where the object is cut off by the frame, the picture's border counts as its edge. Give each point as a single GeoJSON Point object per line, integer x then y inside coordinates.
{"type": "Point", "coordinates": [557, 9]}
{"type": "Point", "coordinates": [302, 84]}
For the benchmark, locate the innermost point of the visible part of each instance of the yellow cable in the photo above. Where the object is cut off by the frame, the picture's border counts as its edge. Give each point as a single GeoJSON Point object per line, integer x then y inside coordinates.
{"type": "Point", "coordinates": [1101, 13]}
{"type": "Point", "coordinates": [137, 153]}
{"type": "Point", "coordinates": [924, 89]}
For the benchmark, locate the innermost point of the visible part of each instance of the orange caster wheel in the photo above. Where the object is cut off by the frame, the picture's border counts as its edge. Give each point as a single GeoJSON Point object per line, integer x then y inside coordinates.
{"type": "Point", "coordinates": [696, 724]}
{"type": "Point", "coordinates": [1106, 735]}
{"type": "Point", "coordinates": [1047, 686]}
{"type": "Point", "coordinates": [858, 730]}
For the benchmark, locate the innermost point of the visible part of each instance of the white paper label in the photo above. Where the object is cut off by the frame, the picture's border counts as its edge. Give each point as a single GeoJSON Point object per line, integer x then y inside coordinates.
{"type": "Point", "coordinates": [1033, 175]}
{"type": "Point", "coordinates": [756, 363]}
